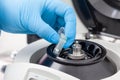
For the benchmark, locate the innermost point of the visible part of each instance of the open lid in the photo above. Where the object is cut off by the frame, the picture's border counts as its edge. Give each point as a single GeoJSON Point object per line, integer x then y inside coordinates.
{"type": "Point", "coordinates": [100, 16]}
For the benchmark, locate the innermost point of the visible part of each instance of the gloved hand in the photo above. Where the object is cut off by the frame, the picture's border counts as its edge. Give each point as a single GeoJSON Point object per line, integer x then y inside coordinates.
{"type": "Point", "coordinates": [41, 17]}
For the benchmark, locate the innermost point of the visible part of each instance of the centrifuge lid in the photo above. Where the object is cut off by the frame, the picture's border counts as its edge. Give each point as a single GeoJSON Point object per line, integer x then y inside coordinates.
{"type": "Point", "coordinates": [84, 12]}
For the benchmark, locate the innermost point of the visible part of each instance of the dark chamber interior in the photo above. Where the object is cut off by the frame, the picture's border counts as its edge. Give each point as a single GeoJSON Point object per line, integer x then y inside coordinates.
{"type": "Point", "coordinates": [97, 66]}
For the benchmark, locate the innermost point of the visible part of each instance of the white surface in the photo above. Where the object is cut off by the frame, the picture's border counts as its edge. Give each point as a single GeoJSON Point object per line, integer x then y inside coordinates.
{"type": "Point", "coordinates": [11, 42]}
{"type": "Point", "coordinates": [25, 54]}
{"type": "Point", "coordinates": [27, 71]}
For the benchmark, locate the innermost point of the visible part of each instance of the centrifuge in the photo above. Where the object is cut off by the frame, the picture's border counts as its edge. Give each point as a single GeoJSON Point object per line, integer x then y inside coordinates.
{"type": "Point", "coordinates": [94, 55]}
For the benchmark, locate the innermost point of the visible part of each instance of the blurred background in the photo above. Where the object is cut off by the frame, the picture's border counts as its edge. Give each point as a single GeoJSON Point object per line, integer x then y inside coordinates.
{"type": "Point", "coordinates": [12, 42]}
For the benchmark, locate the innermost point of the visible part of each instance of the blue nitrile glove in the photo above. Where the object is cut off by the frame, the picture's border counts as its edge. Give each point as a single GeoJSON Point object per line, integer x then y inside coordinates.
{"type": "Point", "coordinates": [42, 17]}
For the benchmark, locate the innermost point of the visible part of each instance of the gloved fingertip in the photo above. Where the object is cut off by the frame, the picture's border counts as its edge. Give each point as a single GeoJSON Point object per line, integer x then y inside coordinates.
{"type": "Point", "coordinates": [54, 38]}
{"type": "Point", "coordinates": [68, 43]}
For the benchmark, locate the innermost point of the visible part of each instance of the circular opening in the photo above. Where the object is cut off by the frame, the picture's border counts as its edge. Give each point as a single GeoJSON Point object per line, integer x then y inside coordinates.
{"type": "Point", "coordinates": [94, 54]}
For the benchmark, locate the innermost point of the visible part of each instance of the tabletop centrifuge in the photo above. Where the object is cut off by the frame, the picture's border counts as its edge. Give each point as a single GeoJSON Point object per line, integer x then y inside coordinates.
{"type": "Point", "coordinates": [94, 55]}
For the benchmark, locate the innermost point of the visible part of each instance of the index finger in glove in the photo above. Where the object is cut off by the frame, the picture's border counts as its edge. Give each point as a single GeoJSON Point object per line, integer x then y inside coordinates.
{"type": "Point", "coordinates": [65, 11]}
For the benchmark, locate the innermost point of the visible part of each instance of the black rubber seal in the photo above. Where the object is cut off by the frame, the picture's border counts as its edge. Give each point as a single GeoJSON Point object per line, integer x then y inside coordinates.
{"type": "Point", "coordinates": [113, 3]}
{"type": "Point", "coordinates": [85, 44]}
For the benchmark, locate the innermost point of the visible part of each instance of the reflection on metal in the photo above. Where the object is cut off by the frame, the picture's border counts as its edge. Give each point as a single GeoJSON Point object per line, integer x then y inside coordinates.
{"type": "Point", "coordinates": [104, 36]}
{"type": "Point", "coordinates": [78, 53]}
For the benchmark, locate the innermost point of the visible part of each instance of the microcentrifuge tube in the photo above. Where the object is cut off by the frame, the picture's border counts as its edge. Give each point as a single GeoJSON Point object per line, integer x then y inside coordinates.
{"type": "Point", "coordinates": [61, 42]}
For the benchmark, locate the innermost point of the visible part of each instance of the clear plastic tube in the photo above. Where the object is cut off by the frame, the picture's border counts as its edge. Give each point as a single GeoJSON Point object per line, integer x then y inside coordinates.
{"type": "Point", "coordinates": [61, 42]}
